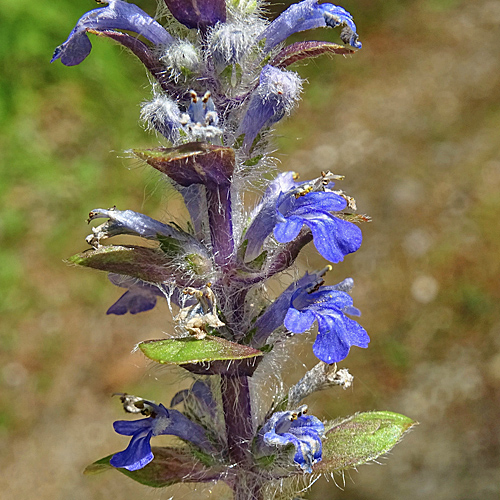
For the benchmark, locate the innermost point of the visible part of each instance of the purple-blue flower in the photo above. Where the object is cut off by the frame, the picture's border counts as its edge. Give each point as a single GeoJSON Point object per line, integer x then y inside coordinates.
{"type": "Point", "coordinates": [287, 206]}
{"type": "Point", "coordinates": [328, 306]}
{"type": "Point", "coordinates": [117, 15]}
{"type": "Point", "coordinates": [307, 15]}
{"type": "Point", "coordinates": [137, 224]}
{"type": "Point", "coordinates": [295, 428]}
{"type": "Point", "coordinates": [273, 98]}
{"type": "Point", "coordinates": [305, 302]}
{"type": "Point", "coordinates": [159, 422]}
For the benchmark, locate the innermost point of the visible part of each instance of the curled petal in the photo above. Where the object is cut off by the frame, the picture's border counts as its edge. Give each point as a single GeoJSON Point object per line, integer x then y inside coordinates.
{"type": "Point", "coordinates": [307, 15]}
{"type": "Point", "coordinates": [117, 15]}
{"type": "Point", "coordinates": [137, 455]}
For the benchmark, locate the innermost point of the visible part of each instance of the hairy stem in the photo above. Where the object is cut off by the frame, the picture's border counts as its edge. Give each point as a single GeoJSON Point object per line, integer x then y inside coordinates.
{"type": "Point", "coordinates": [239, 431]}
{"type": "Point", "coordinates": [221, 225]}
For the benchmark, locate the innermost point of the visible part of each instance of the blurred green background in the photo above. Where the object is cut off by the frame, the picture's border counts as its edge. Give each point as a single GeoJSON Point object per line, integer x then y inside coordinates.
{"type": "Point", "coordinates": [412, 121]}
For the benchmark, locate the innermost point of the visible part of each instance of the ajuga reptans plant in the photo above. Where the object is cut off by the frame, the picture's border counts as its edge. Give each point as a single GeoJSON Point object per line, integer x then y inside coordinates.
{"type": "Point", "coordinates": [221, 80]}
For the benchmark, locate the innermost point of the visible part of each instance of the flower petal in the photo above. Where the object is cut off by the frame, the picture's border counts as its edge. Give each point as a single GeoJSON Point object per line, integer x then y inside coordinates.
{"type": "Point", "coordinates": [307, 15]}
{"type": "Point", "coordinates": [133, 301]}
{"type": "Point", "coordinates": [336, 334]}
{"type": "Point", "coordinates": [137, 454]}
{"type": "Point", "coordinates": [275, 314]}
{"type": "Point", "coordinates": [293, 428]}
{"type": "Point", "coordinates": [131, 427]}
{"type": "Point", "coordinates": [288, 230]}
{"type": "Point", "coordinates": [334, 238]}
{"type": "Point", "coordinates": [117, 15]}
{"type": "Point", "coordinates": [264, 217]}
{"type": "Point", "coordinates": [299, 321]}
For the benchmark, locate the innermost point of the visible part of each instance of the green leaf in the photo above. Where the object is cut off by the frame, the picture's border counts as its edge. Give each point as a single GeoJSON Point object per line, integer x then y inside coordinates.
{"type": "Point", "coordinates": [361, 438]}
{"type": "Point", "coordinates": [208, 355]}
{"type": "Point", "coordinates": [183, 350]}
{"type": "Point", "coordinates": [169, 466]}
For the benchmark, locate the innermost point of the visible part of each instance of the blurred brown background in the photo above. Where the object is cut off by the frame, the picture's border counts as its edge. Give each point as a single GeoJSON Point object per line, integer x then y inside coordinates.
{"type": "Point", "coordinates": [412, 121]}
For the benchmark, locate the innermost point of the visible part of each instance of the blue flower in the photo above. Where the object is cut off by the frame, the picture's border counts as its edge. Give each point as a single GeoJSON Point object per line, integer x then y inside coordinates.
{"type": "Point", "coordinates": [159, 422]}
{"type": "Point", "coordinates": [295, 428]}
{"type": "Point", "coordinates": [137, 224]}
{"type": "Point", "coordinates": [328, 306]}
{"type": "Point", "coordinates": [307, 15]}
{"type": "Point", "coordinates": [306, 301]}
{"type": "Point", "coordinates": [117, 15]}
{"type": "Point", "coordinates": [288, 206]}
{"type": "Point", "coordinates": [273, 98]}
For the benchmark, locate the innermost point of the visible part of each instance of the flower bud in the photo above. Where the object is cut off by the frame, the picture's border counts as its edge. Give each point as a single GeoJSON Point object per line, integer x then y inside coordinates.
{"type": "Point", "coordinates": [275, 96]}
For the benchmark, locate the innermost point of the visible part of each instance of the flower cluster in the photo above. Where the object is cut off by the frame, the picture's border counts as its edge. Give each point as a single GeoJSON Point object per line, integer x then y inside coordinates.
{"type": "Point", "coordinates": [221, 82]}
